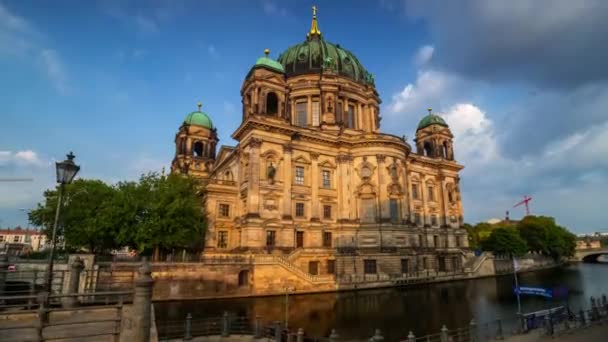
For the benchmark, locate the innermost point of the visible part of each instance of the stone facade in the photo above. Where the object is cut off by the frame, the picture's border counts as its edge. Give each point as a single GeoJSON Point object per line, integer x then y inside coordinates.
{"type": "Point", "coordinates": [314, 181]}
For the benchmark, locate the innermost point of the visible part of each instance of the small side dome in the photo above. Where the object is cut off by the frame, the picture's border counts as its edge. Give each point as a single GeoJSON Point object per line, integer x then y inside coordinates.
{"type": "Point", "coordinates": [431, 119]}
{"type": "Point", "coordinates": [269, 63]}
{"type": "Point", "coordinates": [199, 118]}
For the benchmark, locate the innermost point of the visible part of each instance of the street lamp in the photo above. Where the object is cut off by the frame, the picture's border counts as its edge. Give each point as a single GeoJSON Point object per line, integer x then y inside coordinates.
{"type": "Point", "coordinates": [66, 171]}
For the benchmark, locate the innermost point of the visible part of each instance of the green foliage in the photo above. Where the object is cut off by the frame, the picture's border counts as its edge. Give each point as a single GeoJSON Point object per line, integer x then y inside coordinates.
{"type": "Point", "coordinates": [543, 235]}
{"type": "Point", "coordinates": [505, 241]}
{"type": "Point", "coordinates": [479, 233]}
{"type": "Point", "coordinates": [154, 213]}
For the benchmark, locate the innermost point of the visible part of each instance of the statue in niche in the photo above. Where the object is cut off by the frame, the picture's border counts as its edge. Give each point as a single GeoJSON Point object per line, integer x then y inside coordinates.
{"type": "Point", "coordinates": [330, 104]}
{"type": "Point", "coordinates": [271, 172]}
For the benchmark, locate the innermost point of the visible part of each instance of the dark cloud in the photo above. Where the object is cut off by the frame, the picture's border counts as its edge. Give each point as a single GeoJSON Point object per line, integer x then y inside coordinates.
{"type": "Point", "coordinates": [552, 43]}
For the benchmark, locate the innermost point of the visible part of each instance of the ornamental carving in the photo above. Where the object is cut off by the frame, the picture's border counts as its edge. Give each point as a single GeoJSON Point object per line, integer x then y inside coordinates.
{"type": "Point", "coordinates": [255, 142]}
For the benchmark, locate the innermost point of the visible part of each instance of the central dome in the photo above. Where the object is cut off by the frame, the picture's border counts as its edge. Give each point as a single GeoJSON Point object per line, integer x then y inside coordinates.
{"type": "Point", "coordinates": [316, 55]}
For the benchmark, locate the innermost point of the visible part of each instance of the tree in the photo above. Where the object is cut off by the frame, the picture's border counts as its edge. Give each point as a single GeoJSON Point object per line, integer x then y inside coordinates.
{"type": "Point", "coordinates": [161, 213]}
{"type": "Point", "coordinates": [543, 235]}
{"type": "Point", "coordinates": [533, 230]}
{"type": "Point", "coordinates": [505, 241]}
{"type": "Point", "coordinates": [156, 213]}
{"type": "Point", "coordinates": [87, 219]}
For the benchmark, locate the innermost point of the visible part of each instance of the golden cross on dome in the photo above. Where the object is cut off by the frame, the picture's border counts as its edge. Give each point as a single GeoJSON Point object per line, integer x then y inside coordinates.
{"type": "Point", "coordinates": [314, 27]}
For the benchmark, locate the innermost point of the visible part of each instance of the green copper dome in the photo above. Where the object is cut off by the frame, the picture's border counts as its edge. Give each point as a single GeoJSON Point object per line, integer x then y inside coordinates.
{"type": "Point", "coordinates": [269, 63]}
{"type": "Point", "coordinates": [316, 55]}
{"type": "Point", "coordinates": [431, 119]}
{"type": "Point", "coordinates": [198, 118]}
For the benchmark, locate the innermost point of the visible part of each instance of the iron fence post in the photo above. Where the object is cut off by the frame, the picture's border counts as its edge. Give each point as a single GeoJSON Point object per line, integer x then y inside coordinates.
{"type": "Point", "coordinates": [473, 330]}
{"type": "Point", "coordinates": [444, 333]}
{"type": "Point", "coordinates": [300, 335]}
{"type": "Point", "coordinates": [499, 329]}
{"type": "Point", "coordinates": [411, 337]}
{"type": "Point", "coordinates": [142, 302]}
{"type": "Point", "coordinates": [377, 336]}
{"type": "Point", "coordinates": [225, 325]}
{"type": "Point", "coordinates": [333, 337]}
{"type": "Point", "coordinates": [256, 327]}
{"type": "Point", "coordinates": [278, 331]}
{"type": "Point", "coordinates": [188, 332]}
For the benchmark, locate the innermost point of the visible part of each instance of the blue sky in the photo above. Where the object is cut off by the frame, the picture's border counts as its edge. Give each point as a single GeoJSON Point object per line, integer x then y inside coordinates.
{"type": "Point", "coordinates": [112, 81]}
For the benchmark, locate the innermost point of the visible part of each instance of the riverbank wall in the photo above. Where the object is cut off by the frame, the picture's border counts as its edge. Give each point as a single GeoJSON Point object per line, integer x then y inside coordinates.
{"type": "Point", "coordinates": [229, 276]}
{"type": "Point", "coordinates": [226, 278]}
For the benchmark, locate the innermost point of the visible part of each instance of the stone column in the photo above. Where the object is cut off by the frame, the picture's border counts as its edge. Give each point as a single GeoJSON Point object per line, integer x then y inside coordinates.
{"type": "Point", "coordinates": [444, 201]}
{"type": "Point", "coordinates": [253, 193]}
{"type": "Point", "coordinates": [287, 177]}
{"type": "Point", "coordinates": [382, 194]}
{"type": "Point", "coordinates": [75, 269]}
{"type": "Point", "coordinates": [314, 186]}
{"type": "Point", "coordinates": [343, 160]}
{"type": "Point", "coordinates": [142, 303]}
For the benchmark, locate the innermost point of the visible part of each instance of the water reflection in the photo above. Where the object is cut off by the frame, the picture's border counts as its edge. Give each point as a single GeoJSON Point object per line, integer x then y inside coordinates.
{"type": "Point", "coordinates": [422, 309]}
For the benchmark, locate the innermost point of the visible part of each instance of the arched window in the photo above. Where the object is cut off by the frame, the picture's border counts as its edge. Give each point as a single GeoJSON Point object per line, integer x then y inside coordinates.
{"type": "Point", "coordinates": [244, 278]}
{"type": "Point", "coordinates": [228, 176]}
{"type": "Point", "coordinates": [272, 104]}
{"type": "Point", "coordinates": [197, 149]}
{"type": "Point", "coordinates": [445, 150]}
{"type": "Point", "coordinates": [428, 149]}
{"type": "Point", "coordinates": [182, 146]}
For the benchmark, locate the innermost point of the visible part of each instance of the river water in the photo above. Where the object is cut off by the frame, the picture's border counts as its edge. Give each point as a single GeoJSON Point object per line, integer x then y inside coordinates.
{"type": "Point", "coordinates": [422, 309]}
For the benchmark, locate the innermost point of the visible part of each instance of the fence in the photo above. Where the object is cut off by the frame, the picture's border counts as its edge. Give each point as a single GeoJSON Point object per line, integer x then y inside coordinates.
{"type": "Point", "coordinates": [42, 320]}
{"type": "Point", "coordinates": [552, 323]}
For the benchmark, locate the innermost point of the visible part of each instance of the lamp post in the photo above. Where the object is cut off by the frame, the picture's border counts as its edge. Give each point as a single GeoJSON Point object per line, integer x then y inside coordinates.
{"type": "Point", "coordinates": [66, 171]}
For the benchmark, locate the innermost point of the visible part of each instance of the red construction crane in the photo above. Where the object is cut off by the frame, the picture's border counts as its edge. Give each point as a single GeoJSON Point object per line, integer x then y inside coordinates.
{"type": "Point", "coordinates": [525, 201]}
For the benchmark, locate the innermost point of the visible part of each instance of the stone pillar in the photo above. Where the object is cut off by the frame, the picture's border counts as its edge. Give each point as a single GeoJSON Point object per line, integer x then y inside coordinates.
{"type": "Point", "coordinates": [314, 186]}
{"type": "Point", "coordinates": [343, 179]}
{"type": "Point", "coordinates": [253, 195]}
{"type": "Point", "coordinates": [287, 178]}
{"type": "Point", "coordinates": [382, 194]}
{"type": "Point", "coordinates": [73, 283]}
{"type": "Point", "coordinates": [3, 271]}
{"type": "Point", "coordinates": [142, 303]}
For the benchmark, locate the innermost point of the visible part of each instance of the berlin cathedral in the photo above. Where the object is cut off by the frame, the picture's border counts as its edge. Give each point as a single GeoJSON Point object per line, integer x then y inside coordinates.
{"type": "Point", "coordinates": [312, 177]}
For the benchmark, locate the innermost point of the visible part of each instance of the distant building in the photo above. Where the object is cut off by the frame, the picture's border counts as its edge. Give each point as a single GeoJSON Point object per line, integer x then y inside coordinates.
{"type": "Point", "coordinates": [588, 243]}
{"type": "Point", "coordinates": [26, 238]}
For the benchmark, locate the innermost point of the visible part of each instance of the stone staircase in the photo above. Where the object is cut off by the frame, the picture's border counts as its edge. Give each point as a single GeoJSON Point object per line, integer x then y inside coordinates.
{"type": "Point", "coordinates": [288, 265]}
{"type": "Point", "coordinates": [474, 263]}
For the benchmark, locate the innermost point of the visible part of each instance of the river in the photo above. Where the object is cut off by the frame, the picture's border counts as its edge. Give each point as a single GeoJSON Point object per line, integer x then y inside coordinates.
{"type": "Point", "coordinates": [422, 309]}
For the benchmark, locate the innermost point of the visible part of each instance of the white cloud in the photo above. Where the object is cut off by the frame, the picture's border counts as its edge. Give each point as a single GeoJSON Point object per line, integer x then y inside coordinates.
{"type": "Point", "coordinates": [271, 8]}
{"type": "Point", "coordinates": [429, 88]}
{"type": "Point", "coordinates": [55, 70]}
{"type": "Point", "coordinates": [16, 33]}
{"type": "Point", "coordinates": [473, 131]}
{"type": "Point", "coordinates": [20, 158]}
{"type": "Point", "coordinates": [212, 51]}
{"type": "Point", "coordinates": [424, 55]}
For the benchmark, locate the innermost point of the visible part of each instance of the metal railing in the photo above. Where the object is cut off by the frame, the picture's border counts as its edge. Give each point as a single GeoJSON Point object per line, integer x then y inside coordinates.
{"type": "Point", "coordinates": [38, 321]}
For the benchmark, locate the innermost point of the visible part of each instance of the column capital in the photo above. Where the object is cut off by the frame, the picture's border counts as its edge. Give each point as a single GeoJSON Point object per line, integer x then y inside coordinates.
{"type": "Point", "coordinates": [344, 158]}
{"type": "Point", "coordinates": [380, 158]}
{"type": "Point", "coordinates": [288, 148]}
{"type": "Point", "coordinates": [314, 155]}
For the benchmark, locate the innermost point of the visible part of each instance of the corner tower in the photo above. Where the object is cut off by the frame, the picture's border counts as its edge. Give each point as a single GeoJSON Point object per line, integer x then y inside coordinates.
{"type": "Point", "coordinates": [434, 138]}
{"type": "Point", "coordinates": [195, 144]}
